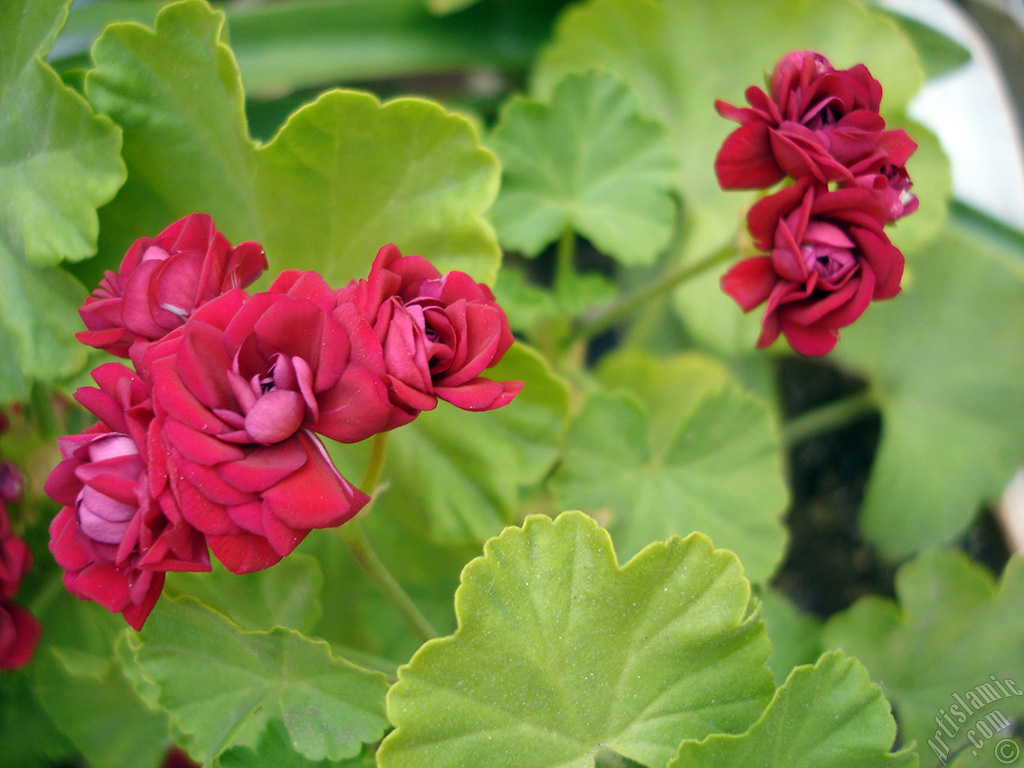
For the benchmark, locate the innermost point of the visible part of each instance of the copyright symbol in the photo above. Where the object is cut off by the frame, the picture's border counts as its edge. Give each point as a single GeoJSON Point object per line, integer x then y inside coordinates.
{"type": "Point", "coordinates": [1007, 751]}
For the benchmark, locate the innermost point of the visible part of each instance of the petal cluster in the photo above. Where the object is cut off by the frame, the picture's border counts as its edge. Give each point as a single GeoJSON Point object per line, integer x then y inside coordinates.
{"type": "Point", "coordinates": [213, 442]}
{"type": "Point", "coordinates": [825, 253]}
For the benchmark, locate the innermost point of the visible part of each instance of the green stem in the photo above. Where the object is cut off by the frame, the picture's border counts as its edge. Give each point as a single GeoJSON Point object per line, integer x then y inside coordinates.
{"type": "Point", "coordinates": [366, 558]}
{"type": "Point", "coordinates": [611, 314]}
{"type": "Point", "coordinates": [565, 257]}
{"type": "Point", "coordinates": [838, 413]}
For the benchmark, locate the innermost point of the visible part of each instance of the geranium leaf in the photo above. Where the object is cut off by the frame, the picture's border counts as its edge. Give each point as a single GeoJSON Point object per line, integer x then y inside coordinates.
{"type": "Point", "coordinates": [344, 176]}
{"type": "Point", "coordinates": [347, 174]}
{"type": "Point", "coordinates": [58, 163]}
{"type": "Point", "coordinates": [944, 649]}
{"type": "Point", "coordinates": [222, 685]}
{"type": "Point", "coordinates": [699, 456]}
{"type": "Point", "coordinates": [949, 387]}
{"type": "Point", "coordinates": [459, 474]}
{"type": "Point", "coordinates": [588, 161]}
{"type": "Point", "coordinates": [275, 749]}
{"type": "Point", "coordinates": [176, 93]}
{"type": "Point", "coordinates": [829, 714]}
{"type": "Point", "coordinates": [287, 595]}
{"type": "Point", "coordinates": [795, 635]}
{"type": "Point", "coordinates": [561, 653]}
{"type": "Point", "coordinates": [96, 707]}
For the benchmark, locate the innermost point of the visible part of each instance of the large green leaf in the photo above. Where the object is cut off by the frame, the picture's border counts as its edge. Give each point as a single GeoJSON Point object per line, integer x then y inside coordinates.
{"type": "Point", "coordinates": [826, 715]}
{"type": "Point", "coordinates": [222, 685]}
{"type": "Point", "coordinates": [58, 163]}
{"type": "Point", "coordinates": [586, 161]}
{"type": "Point", "coordinates": [287, 595]}
{"type": "Point", "coordinates": [275, 749]}
{"type": "Point", "coordinates": [681, 449]}
{"type": "Point", "coordinates": [682, 55]}
{"type": "Point", "coordinates": [561, 654]}
{"type": "Point", "coordinates": [944, 361]}
{"type": "Point", "coordinates": [96, 707]}
{"type": "Point", "coordinates": [344, 176]}
{"type": "Point", "coordinates": [795, 635]}
{"type": "Point", "coordinates": [945, 650]}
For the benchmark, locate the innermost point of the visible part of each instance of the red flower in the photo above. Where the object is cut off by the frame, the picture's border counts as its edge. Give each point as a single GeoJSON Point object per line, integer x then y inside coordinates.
{"type": "Point", "coordinates": [828, 260]}
{"type": "Point", "coordinates": [818, 122]}
{"type": "Point", "coordinates": [238, 390]}
{"type": "Point", "coordinates": [163, 280]}
{"type": "Point", "coordinates": [19, 635]}
{"type": "Point", "coordinates": [438, 334]}
{"type": "Point", "coordinates": [120, 527]}
{"type": "Point", "coordinates": [19, 629]}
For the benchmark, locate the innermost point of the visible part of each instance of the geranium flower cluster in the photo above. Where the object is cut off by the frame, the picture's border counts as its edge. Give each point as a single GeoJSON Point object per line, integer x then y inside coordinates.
{"type": "Point", "coordinates": [19, 629]}
{"type": "Point", "coordinates": [826, 256]}
{"type": "Point", "coordinates": [210, 442]}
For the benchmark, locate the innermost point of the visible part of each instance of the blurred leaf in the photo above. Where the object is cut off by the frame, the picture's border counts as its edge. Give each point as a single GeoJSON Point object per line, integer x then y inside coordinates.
{"type": "Point", "coordinates": [944, 361]}
{"type": "Point", "coordinates": [528, 305]}
{"type": "Point", "coordinates": [829, 714]}
{"type": "Point", "coordinates": [30, 738]}
{"type": "Point", "coordinates": [96, 707]}
{"type": "Point", "coordinates": [939, 54]}
{"type": "Point", "coordinates": [795, 635]}
{"type": "Point", "coordinates": [941, 646]}
{"type": "Point", "coordinates": [346, 175]}
{"type": "Point", "coordinates": [222, 685]}
{"type": "Point", "coordinates": [682, 55]}
{"type": "Point", "coordinates": [448, 6]}
{"type": "Point", "coordinates": [588, 161]}
{"type": "Point", "coordinates": [287, 595]}
{"type": "Point", "coordinates": [561, 653]}
{"type": "Point", "coordinates": [699, 455]}
{"type": "Point", "coordinates": [58, 163]}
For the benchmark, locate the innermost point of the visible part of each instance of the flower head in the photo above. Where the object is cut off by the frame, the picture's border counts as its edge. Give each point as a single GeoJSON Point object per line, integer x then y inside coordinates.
{"type": "Point", "coordinates": [120, 528]}
{"type": "Point", "coordinates": [438, 333]}
{"type": "Point", "coordinates": [828, 258]}
{"type": "Point", "coordinates": [162, 280]}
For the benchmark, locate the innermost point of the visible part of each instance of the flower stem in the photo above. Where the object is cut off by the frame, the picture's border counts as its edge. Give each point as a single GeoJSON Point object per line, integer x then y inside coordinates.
{"type": "Point", "coordinates": [565, 257]}
{"type": "Point", "coordinates": [607, 316]}
{"type": "Point", "coordinates": [838, 413]}
{"type": "Point", "coordinates": [366, 558]}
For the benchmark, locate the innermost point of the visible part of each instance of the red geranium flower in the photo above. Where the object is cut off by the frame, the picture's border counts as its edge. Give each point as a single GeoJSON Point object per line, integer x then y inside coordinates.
{"type": "Point", "coordinates": [828, 259]}
{"type": "Point", "coordinates": [818, 122]}
{"type": "Point", "coordinates": [120, 528]}
{"type": "Point", "coordinates": [238, 391]}
{"type": "Point", "coordinates": [438, 334]}
{"type": "Point", "coordinates": [162, 280]}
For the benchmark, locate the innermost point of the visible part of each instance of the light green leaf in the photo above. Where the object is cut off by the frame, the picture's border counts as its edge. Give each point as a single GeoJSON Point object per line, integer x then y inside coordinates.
{"type": "Point", "coordinates": [700, 455]}
{"type": "Point", "coordinates": [58, 163]}
{"type": "Point", "coordinates": [287, 595]}
{"type": "Point", "coordinates": [945, 648]}
{"type": "Point", "coordinates": [96, 707]}
{"type": "Point", "coordinates": [795, 635]}
{"type": "Point", "coordinates": [459, 474]}
{"type": "Point", "coordinates": [176, 93]}
{"type": "Point", "coordinates": [561, 653]}
{"type": "Point", "coordinates": [944, 361]}
{"type": "Point", "coordinates": [826, 715]}
{"type": "Point", "coordinates": [275, 749]}
{"type": "Point", "coordinates": [682, 55]}
{"type": "Point", "coordinates": [346, 175]}
{"type": "Point", "coordinates": [586, 160]}
{"type": "Point", "coordinates": [223, 685]}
